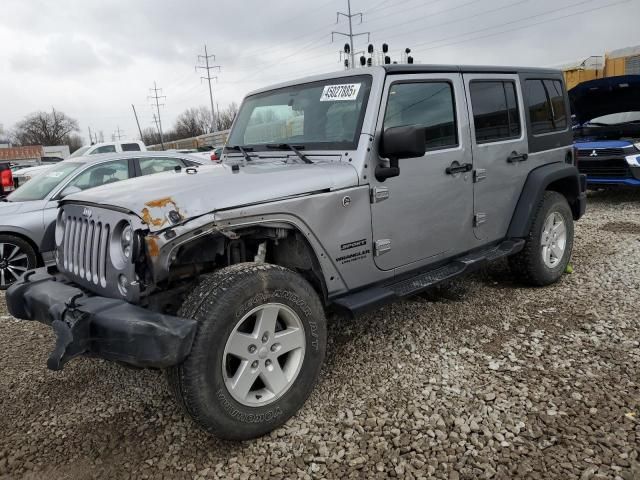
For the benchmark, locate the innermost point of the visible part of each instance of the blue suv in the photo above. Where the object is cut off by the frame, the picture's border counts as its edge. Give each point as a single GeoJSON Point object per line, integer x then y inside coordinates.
{"type": "Point", "coordinates": [606, 115]}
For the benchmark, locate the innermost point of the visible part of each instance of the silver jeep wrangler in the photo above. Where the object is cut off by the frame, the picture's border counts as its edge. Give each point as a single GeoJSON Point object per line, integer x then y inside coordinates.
{"type": "Point", "coordinates": [338, 192]}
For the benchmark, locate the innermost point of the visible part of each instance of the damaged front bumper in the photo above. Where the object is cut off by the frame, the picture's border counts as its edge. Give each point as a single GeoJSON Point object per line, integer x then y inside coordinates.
{"type": "Point", "coordinates": [98, 326]}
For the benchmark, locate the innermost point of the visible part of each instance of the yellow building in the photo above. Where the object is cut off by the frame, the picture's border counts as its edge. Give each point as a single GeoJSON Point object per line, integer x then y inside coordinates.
{"type": "Point", "coordinates": [624, 61]}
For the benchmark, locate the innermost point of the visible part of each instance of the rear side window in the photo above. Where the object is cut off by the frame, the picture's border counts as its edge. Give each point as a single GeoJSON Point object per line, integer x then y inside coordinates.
{"type": "Point", "coordinates": [547, 112]}
{"type": "Point", "coordinates": [428, 104]}
{"type": "Point", "coordinates": [130, 147]}
{"type": "Point", "coordinates": [149, 166]}
{"type": "Point", "coordinates": [105, 149]}
{"type": "Point", "coordinates": [495, 110]}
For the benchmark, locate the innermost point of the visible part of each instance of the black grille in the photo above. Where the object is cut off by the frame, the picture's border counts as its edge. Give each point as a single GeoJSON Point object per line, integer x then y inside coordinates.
{"type": "Point", "coordinates": [605, 168]}
{"type": "Point", "coordinates": [602, 152]}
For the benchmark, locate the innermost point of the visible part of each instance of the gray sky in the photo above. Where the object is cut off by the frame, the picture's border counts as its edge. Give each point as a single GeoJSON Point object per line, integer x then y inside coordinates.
{"type": "Point", "coordinates": [93, 58]}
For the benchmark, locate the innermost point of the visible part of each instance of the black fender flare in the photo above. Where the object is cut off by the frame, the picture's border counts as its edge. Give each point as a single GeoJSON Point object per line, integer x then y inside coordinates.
{"type": "Point", "coordinates": [563, 178]}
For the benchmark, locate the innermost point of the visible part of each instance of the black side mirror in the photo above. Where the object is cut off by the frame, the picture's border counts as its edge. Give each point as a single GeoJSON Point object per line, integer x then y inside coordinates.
{"type": "Point", "coordinates": [408, 141]}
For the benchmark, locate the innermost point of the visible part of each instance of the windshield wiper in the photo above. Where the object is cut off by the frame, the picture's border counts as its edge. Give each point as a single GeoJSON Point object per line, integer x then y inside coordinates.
{"type": "Point", "coordinates": [242, 150]}
{"type": "Point", "coordinates": [296, 150]}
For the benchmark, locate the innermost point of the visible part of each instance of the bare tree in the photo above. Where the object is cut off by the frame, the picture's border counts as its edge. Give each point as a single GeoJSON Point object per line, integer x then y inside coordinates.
{"type": "Point", "coordinates": [193, 122]}
{"type": "Point", "coordinates": [45, 128]}
{"type": "Point", "coordinates": [74, 141]}
{"type": "Point", "coordinates": [225, 117]}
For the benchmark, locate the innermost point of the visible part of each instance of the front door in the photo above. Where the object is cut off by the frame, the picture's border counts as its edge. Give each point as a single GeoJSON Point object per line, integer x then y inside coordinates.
{"type": "Point", "coordinates": [500, 151]}
{"type": "Point", "coordinates": [426, 212]}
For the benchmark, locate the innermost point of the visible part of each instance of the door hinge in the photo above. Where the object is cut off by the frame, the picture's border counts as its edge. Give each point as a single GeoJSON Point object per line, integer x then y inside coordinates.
{"type": "Point", "coordinates": [379, 194]}
{"type": "Point", "coordinates": [479, 174]}
{"type": "Point", "coordinates": [479, 219]}
{"type": "Point", "coordinates": [381, 246]}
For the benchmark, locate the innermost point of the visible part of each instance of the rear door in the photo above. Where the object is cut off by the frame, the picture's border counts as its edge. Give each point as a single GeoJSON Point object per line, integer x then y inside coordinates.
{"type": "Point", "coordinates": [500, 150]}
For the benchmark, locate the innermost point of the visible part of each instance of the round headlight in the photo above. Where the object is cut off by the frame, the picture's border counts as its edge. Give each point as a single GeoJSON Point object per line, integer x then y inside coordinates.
{"type": "Point", "coordinates": [126, 240]}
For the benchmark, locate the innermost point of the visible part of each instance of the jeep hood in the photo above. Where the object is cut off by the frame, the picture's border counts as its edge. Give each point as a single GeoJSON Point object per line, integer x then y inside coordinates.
{"type": "Point", "coordinates": [216, 187]}
{"type": "Point", "coordinates": [605, 96]}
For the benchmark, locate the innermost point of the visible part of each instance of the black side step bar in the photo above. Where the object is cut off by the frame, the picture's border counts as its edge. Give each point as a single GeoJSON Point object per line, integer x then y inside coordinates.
{"type": "Point", "coordinates": [378, 296]}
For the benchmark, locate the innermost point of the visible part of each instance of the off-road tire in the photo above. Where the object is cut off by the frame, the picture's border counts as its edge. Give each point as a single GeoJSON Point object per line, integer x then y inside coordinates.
{"type": "Point", "coordinates": [528, 265]}
{"type": "Point", "coordinates": [218, 302]}
{"type": "Point", "coordinates": [31, 260]}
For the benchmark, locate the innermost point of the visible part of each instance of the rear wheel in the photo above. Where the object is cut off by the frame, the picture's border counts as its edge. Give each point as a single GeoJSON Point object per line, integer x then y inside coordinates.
{"type": "Point", "coordinates": [549, 244]}
{"type": "Point", "coordinates": [257, 353]}
{"type": "Point", "coordinates": [16, 257]}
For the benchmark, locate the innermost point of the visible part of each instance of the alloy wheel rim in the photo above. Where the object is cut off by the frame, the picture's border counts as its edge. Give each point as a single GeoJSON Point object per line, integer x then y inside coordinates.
{"type": "Point", "coordinates": [554, 239]}
{"type": "Point", "coordinates": [13, 263]}
{"type": "Point", "coordinates": [263, 354]}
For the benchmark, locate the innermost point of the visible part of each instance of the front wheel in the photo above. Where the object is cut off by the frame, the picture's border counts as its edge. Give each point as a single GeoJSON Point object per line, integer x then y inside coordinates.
{"type": "Point", "coordinates": [16, 257]}
{"type": "Point", "coordinates": [257, 353]}
{"type": "Point", "coordinates": [548, 247]}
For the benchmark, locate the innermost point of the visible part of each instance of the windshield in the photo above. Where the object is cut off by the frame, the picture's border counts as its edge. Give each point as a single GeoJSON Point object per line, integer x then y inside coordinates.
{"type": "Point", "coordinates": [81, 151]}
{"type": "Point", "coordinates": [39, 187]}
{"type": "Point", "coordinates": [325, 115]}
{"type": "Point", "coordinates": [616, 118]}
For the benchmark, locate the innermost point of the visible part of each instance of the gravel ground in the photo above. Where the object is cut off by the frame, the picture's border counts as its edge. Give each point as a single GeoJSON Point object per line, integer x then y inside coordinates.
{"type": "Point", "coordinates": [483, 380]}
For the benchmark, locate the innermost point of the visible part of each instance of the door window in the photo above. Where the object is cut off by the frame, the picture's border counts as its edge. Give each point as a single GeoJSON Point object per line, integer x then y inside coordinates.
{"type": "Point", "coordinates": [547, 112]}
{"type": "Point", "coordinates": [105, 149]}
{"type": "Point", "coordinates": [102, 174]}
{"type": "Point", "coordinates": [130, 147]}
{"type": "Point", "coordinates": [149, 166]}
{"type": "Point", "coordinates": [428, 104]}
{"type": "Point", "coordinates": [495, 110]}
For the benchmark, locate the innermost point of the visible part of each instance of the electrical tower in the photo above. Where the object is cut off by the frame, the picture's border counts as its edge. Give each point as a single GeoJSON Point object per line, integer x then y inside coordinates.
{"type": "Point", "coordinates": [349, 16]}
{"type": "Point", "coordinates": [208, 78]}
{"type": "Point", "coordinates": [118, 133]}
{"type": "Point", "coordinates": [157, 98]}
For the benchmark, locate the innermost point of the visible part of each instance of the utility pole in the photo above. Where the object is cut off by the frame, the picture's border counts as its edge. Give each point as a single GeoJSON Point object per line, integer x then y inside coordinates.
{"type": "Point", "coordinates": [118, 133]}
{"type": "Point", "coordinates": [349, 16]}
{"type": "Point", "coordinates": [208, 68]}
{"type": "Point", "coordinates": [137, 122]}
{"type": "Point", "coordinates": [157, 98]}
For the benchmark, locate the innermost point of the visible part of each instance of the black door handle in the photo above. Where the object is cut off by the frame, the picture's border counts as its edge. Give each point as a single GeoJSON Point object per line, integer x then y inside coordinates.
{"type": "Point", "coordinates": [517, 157]}
{"type": "Point", "coordinates": [458, 168]}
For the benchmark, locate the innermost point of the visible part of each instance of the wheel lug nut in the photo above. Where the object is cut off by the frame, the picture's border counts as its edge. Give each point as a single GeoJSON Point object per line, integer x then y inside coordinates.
{"type": "Point", "coordinates": [254, 364]}
{"type": "Point", "coordinates": [252, 349]}
{"type": "Point", "coordinates": [265, 338]}
{"type": "Point", "coordinates": [275, 347]}
{"type": "Point", "coordinates": [267, 363]}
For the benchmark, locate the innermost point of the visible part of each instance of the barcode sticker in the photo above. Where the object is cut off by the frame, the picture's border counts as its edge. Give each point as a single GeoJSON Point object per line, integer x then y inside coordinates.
{"type": "Point", "coordinates": [336, 93]}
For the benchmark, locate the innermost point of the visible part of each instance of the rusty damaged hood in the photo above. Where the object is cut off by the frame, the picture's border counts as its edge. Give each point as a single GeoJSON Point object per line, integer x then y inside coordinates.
{"type": "Point", "coordinates": [216, 187]}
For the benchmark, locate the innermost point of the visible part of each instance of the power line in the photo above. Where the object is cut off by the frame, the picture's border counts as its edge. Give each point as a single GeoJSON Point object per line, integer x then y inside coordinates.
{"type": "Point", "coordinates": [208, 78]}
{"type": "Point", "coordinates": [349, 16]}
{"type": "Point", "coordinates": [157, 98]}
{"type": "Point", "coordinates": [455, 20]}
{"type": "Point", "coordinates": [529, 17]}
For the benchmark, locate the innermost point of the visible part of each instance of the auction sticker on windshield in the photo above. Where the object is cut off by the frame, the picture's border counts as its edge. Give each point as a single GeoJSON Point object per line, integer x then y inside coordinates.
{"type": "Point", "coordinates": [334, 93]}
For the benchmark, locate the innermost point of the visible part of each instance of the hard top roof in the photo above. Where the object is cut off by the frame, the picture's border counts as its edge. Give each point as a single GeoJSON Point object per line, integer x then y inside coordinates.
{"type": "Point", "coordinates": [419, 68]}
{"type": "Point", "coordinates": [408, 69]}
